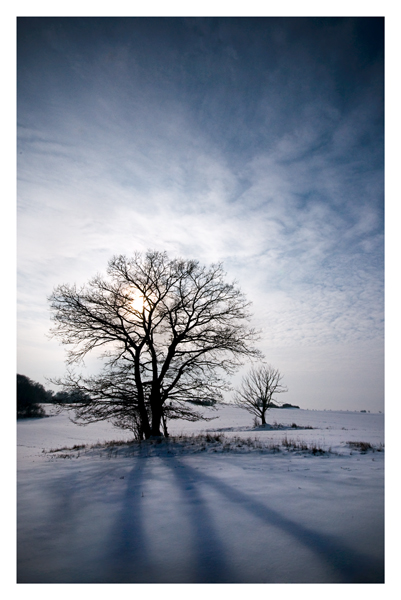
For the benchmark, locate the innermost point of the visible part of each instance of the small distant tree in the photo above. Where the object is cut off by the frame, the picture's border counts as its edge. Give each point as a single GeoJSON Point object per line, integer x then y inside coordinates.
{"type": "Point", "coordinates": [29, 397]}
{"type": "Point", "coordinates": [257, 390]}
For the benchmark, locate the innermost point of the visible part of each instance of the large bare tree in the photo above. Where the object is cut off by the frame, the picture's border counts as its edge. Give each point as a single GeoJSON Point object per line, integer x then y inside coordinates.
{"type": "Point", "coordinates": [257, 390]}
{"type": "Point", "coordinates": [170, 329]}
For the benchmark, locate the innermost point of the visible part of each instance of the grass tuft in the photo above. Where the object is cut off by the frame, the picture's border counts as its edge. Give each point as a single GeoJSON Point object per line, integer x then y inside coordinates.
{"type": "Point", "coordinates": [365, 447]}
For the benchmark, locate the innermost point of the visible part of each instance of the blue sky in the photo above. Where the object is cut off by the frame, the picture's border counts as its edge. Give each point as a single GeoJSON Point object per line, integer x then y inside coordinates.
{"type": "Point", "coordinates": [257, 142]}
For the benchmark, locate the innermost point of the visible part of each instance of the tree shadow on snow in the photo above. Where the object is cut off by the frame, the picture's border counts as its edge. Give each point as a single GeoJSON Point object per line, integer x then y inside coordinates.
{"type": "Point", "coordinates": [351, 566]}
{"type": "Point", "coordinates": [71, 541]}
{"type": "Point", "coordinates": [128, 559]}
{"type": "Point", "coordinates": [89, 536]}
{"type": "Point", "coordinates": [210, 560]}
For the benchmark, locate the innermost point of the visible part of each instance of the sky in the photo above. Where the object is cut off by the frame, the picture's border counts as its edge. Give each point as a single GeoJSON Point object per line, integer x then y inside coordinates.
{"type": "Point", "coordinates": [258, 142]}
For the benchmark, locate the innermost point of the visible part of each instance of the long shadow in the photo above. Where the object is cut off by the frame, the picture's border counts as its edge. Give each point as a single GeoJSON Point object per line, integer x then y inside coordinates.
{"type": "Point", "coordinates": [125, 557]}
{"type": "Point", "coordinates": [127, 549]}
{"type": "Point", "coordinates": [210, 562]}
{"type": "Point", "coordinates": [353, 566]}
{"type": "Point", "coordinates": [75, 547]}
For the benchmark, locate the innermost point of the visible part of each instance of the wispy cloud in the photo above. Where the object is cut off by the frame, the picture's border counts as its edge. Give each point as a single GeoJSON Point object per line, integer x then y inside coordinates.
{"type": "Point", "coordinates": [265, 155]}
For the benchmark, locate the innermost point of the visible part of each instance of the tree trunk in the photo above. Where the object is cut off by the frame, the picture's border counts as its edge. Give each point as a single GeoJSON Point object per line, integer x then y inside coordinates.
{"type": "Point", "coordinates": [156, 420]}
{"type": "Point", "coordinates": [143, 413]}
{"type": "Point", "coordinates": [156, 408]}
{"type": "Point", "coordinates": [164, 425]}
{"type": "Point", "coordinates": [145, 427]}
{"type": "Point", "coordinates": [262, 416]}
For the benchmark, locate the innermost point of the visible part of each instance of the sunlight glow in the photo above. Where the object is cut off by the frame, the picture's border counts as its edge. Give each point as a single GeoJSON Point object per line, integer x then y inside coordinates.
{"type": "Point", "coordinates": [138, 303]}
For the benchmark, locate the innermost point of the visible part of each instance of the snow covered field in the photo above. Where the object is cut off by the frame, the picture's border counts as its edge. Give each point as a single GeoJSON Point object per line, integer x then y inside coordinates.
{"type": "Point", "coordinates": [208, 512]}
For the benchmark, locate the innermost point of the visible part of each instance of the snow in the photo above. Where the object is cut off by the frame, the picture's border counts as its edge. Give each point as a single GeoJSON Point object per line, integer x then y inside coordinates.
{"type": "Point", "coordinates": [212, 512]}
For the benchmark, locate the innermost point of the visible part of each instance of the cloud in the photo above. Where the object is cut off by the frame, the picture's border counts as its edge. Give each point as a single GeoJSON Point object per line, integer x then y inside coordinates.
{"type": "Point", "coordinates": [255, 150]}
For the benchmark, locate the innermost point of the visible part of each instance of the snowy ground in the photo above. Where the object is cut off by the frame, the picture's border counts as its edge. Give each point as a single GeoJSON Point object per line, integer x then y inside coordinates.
{"type": "Point", "coordinates": [206, 512]}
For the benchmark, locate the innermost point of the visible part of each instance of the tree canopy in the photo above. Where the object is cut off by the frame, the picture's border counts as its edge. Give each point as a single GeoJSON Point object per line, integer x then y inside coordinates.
{"type": "Point", "coordinates": [170, 331]}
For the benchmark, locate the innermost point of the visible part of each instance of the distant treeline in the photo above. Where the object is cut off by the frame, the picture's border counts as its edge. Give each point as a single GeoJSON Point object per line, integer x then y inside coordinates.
{"type": "Point", "coordinates": [30, 395]}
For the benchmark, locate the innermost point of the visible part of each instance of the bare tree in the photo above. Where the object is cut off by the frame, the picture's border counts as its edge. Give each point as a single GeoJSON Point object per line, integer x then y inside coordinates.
{"type": "Point", "coordinates": [257, 390]}
{"type": "Point", "coordinates": [113, 396]}
{"type": "Point", "coordinates": [169, 329]}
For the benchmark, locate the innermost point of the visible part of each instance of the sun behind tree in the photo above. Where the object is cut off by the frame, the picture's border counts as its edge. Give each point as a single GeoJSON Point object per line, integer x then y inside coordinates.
{"type": "Point", "coordinates": [138, 303]}
{"type": "Point", "coordinates": [163, 357]}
